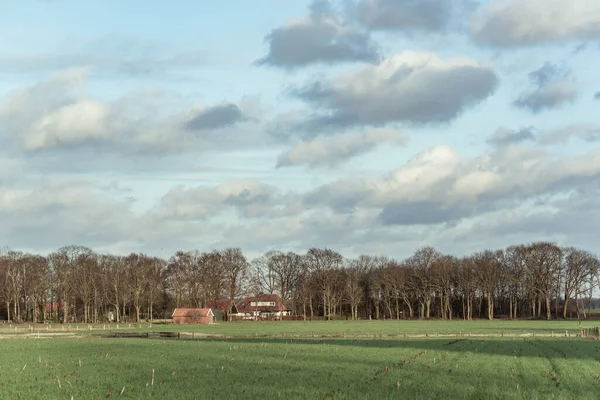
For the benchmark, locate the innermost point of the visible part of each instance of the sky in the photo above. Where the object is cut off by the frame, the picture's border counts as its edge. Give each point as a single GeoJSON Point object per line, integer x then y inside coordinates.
{"type": "Point", "coordinates": [365, 126]}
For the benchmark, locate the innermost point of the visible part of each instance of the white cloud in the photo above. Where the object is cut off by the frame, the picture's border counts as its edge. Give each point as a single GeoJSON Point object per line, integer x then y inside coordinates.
{"type": "Point", "coordinates": [323, 37]}
{"type": "Point", "coordinates": [441, 179]}
{"type": "Point", "coordinates": [415, 87]}
{"type": "Point", "coordinates": [72, 124]}
{"type": "Point", "coordinates": [535, 22]}
{"type": "Point", "coordinates": [331, 151]}
{"type": "Point", "coordinates": [57, 114]}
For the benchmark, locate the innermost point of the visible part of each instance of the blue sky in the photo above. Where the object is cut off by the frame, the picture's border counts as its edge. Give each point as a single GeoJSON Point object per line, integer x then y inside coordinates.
{"type": "Point", "coordinates": [368, 126]}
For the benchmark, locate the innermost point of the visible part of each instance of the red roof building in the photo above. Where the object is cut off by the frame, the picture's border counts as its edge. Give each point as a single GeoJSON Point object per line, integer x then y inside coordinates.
{"type": "Point", "coordinates": [225, 306]}
{"type": "Point", "coordinates": [193, 316]}
{"type": "Point", "coordinates": [222, 309]}
{"type": "Point", "coordinates": [269, 304]}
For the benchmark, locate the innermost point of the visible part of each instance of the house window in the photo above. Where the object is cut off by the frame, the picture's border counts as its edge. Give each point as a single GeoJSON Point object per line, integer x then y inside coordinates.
{"type": "Point", "coordinates": [262, 303]}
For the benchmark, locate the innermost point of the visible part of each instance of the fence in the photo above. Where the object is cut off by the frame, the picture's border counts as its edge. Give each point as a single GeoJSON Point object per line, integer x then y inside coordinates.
{"type": "Point", "coordinates": [590, 333]}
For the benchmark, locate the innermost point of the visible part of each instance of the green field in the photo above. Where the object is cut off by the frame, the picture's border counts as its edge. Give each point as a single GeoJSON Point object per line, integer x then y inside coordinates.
{"type": "Point", "coordinates": [308, 368]}
{"type": "Point", "coordinates": [331, 328]}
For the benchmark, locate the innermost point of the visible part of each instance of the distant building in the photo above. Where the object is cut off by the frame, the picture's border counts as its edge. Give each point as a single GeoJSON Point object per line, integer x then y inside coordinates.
{"type": "Point", "coordinates": [263, 306]}
{"type": "Point", "coordinates": [193, 316]}
{"type": "Point", "coordinates": [222, 309]}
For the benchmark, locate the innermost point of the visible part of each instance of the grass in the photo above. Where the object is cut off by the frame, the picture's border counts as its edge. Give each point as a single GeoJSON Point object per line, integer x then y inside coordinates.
{"type": "Point", "coordinates": [333, 328]}
{"type": "Point", "coordinates": [271, 368]}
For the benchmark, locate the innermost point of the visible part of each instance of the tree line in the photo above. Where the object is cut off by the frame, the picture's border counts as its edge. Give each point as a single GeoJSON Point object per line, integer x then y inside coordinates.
{"type": "Point", "coordinates": [535, 280]}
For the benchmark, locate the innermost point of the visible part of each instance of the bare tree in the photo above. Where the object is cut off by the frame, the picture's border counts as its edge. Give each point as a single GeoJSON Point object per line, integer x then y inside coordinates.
{"type": "Point", "coordinates": [489, 267]}
{"type": "Point", "coordinates": [446, 277]}
{"type": "Point", "coordinates": [155, 274]}
{"type": "Point", "coordinates": [579, 267]}
{"type": "Point", "coordinates": [354, 288]}
{"type": "Point", "coordinates": [321, 262]}
{"type": "Point", "coordinates": [467, 285]}
{"type": "Point", "coordinates": [9, 282]}
{"type": "Point", "coordinates": [286, 268]}
{"type": "Point", "coordinates": [513, 270]}
{"type": "Point", "coordinates": [84, 279]}
{"type": "Point", "coordinates": [176, 275]}
{"type": "Point", "coordinates": [64, 263]}
{"type": "Point", "coordinates": [423, 265]}
{"type": "Point", "coordinates": [262, 272]}
{"type": "Point", "coordinates": [543, 260]}
{"type": "Point", "coordinates": [235, 268]}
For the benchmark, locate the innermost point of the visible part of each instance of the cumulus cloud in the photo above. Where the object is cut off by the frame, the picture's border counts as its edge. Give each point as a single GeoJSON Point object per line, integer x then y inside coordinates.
{"type": "Point", "coordinates": [552, 89]}
{"type": "Point", "coordinates": [427, 198]}
{"type": "Point", "coordinates": [323, 37]}
{"type": "Point", "coordinates": [511, 23]}
{"type": "Point", "coordinates": [503, 136]}
{"type": "Point", "coordinates": [57, 114]}
{"type": "Point", "coordinates": [589, 133]}
{"type": "Point", "coordinates": [412, 87]}
{"type": "Point", "coordinates": [333, 151]}
{"type": "Point", "coordinates": [423, 213]}
{"type": "Point", "coordinates": [65, 211]}
{"type": "Point", "coordinates": [250, 198]}
{"type": "Point", "coordinates": [441, 186]}
{"type": "Point", "coordinates": [215, 117]}
{"type": "Point", "coordinates": [407, 15]}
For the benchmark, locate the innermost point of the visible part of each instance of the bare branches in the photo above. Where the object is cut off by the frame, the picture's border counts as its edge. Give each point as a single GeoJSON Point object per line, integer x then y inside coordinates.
{"type": "Point", "coordinates": [539, 279]}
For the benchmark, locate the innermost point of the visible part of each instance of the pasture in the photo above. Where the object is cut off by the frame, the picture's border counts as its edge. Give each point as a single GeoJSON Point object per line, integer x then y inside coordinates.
{"type": "Point", "coordinates": [260, 362]}
{"type": "Point", "coordinates": [309, 329]}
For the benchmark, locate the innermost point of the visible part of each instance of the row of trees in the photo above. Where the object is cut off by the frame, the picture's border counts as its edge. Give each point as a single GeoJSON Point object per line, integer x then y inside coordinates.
{"type": "Point", "coordinates": [536, 280]}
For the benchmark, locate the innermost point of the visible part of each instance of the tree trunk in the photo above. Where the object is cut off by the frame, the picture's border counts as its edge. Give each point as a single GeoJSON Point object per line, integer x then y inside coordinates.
{"type": "Point", "coordinates": [565, 307]}
{"type": "Point", "coordinates": [137, 312]}
{"type": "Point", "coordinates": [469, 308]}
{"type": "Point", "coordinates": [410, 308]}
{"type": "Point", "coordinates": [65, 311]}
{"type": "Point", "coordinates": [304, 308]}
{"type": "Point", "coordinates": [548, 310]}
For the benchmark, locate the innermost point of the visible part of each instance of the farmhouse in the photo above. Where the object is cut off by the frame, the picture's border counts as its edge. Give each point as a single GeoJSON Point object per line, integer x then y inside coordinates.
{"type": "Point", "coordinates": [193, 316]}
{"type": "Point", "coordinates": [222, 309]}
{"type": "Point", "coordinates": [263, 306]}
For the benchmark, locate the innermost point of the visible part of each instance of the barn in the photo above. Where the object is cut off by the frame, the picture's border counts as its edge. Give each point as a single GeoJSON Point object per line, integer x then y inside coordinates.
{"type": "Point", "coordinates": [193, 316]}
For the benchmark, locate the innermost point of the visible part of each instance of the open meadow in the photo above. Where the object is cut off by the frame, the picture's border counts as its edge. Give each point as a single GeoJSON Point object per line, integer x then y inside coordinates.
{"type": "Point", "coordinates": [309, 329]}
{"type": "Point", "coordinates": [260, 361]}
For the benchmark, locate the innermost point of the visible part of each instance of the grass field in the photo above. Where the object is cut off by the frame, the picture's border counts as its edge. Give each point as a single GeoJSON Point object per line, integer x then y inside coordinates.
{"type": "Point", "coordinates": [300, 368]}
{"type": "Point", "coordinates": [330, 328]}
{"type": "Point", "coordinates": [248, 367]}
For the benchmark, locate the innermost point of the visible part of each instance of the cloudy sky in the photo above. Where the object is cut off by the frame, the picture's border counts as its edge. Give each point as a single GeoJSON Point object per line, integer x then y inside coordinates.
{"type": "Point", "coordinates": [367, 126]}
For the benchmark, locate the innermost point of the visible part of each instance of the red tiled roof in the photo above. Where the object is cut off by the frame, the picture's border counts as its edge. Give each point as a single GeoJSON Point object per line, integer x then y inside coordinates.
{"type": "Point", "coordinates": [246, 304]}
{"type": "Point", "coordinates": [191, 312]}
